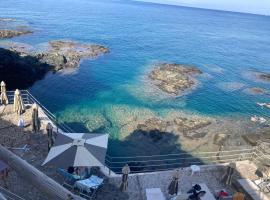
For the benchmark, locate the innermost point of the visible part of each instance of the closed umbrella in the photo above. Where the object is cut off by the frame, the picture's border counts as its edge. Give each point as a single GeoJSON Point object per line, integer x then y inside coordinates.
{"type": "Point", "coordinates": [125, 172]}
{"type": "Point", "coordinates": [173, 187]}
{"type": "Point", "coordinates": [50, 138]}
{"type": "Point", "coordinates": [4, 97]}
{"type": "Point", "coordinates": [78, 150]}
{"type": "Point", "coordinates": [18, 102]}
{"type": "Point", "coordinates": [35, 119]}
{"type": "Point", "coordinates": [227, 177]}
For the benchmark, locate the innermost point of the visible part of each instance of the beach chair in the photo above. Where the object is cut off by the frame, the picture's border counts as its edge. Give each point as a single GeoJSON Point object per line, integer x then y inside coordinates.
{"type": "Point", "coordinates": [154, 194]}
{"type": "Point", "coordinates": [88, 187]}
{"type": "Point", "coordinates": [69, 179]}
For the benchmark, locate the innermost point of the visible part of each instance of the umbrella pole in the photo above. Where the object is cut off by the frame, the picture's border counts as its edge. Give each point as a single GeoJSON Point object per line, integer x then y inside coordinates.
{"type": "Point", "coordinates": [35, 177]}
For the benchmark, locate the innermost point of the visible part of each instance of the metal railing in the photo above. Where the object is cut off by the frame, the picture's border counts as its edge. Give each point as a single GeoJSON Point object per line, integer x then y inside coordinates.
{"type": "Point", "coordinates": [10, 195]}
{"type": "Point", "coordinates": [28, 98]}
{"type": "Point", "coordinates": [139, 164]}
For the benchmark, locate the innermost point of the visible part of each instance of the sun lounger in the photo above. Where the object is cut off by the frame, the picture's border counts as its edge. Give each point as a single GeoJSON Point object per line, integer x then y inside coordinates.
{"type": "Point", "coordinates": [154, 194]}
{"type": "Point", "coordinates": [88, 187]}
{"type": "Point", "coordinates": [69, 179]}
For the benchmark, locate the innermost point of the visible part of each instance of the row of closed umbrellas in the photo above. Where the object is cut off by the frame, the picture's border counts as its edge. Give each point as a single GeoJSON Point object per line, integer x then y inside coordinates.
{"type": "Point", "coordinates": [18, 104]}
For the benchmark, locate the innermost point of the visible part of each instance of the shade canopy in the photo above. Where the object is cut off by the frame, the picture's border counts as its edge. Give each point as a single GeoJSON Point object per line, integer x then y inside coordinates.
{"type": "Point", "coordinates": [78, 150]}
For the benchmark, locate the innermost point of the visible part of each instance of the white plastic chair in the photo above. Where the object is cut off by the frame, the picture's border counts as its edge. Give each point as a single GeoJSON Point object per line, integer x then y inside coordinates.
{"type": "Point", "coordinates": [195, 169]}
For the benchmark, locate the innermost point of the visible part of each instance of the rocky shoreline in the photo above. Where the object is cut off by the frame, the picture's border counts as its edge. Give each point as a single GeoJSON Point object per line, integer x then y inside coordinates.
{"type": "Point", "coordinates": [61, 54]}
{"type": "Point", "coordinates": [18, 60]}
{"type": "Point", "coordinates": [174, 79]}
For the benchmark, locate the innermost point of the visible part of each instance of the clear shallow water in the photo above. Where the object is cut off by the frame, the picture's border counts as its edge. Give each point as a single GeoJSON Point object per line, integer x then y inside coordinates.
{"type": "Point", "coordinates": [224, 45]}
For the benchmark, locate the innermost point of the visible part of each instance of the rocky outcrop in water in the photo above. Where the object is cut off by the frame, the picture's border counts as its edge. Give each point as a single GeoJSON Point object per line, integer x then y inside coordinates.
{"type": "Point", "coordinates": [63, 54]}
{"type": "Point", "coordinates": [256, 91]}
{"type": "Point", "coordinates": [21, 65]}
{"type": "Point", "coordinates": [264, 76]}
{"type": "Point", "coordinates": [10, 28]}
{"type": "Point", "coordinates": [174, 78]}
{"type": "Point", "coordinates": [13, 33]}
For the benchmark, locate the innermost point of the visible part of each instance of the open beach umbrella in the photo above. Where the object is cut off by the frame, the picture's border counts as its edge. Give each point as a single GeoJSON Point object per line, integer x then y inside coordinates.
{"type": "Point", "coordinates": [18, 102]}
{"type": "Point", "coordinates": [78, 150]}
{"type": "Point", "coordinates": [124, 183]}
{"type": "Point", "coordinates": [227, 177]}
{"type": "Point", "coordinates": [173, 187]}
{"type": "Point", "coordinates": [35, 119]}
{"type": "Point", "coordinates": [4, 97]}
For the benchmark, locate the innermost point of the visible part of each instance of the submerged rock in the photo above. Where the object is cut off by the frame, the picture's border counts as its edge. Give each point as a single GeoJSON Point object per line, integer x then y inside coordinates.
{"type": "Point", "coordinates": [13, 33]}
{"type": "Point", "coordinates": [155, 127]}
{"type": "Point", "coordinates": [10, 28]}
{"type": "Point", "coordinates": [174, 78]}
{"type": "Point", "coordinates": [264, 76]}
{"type": "Point", "coordinates": [256, 91]}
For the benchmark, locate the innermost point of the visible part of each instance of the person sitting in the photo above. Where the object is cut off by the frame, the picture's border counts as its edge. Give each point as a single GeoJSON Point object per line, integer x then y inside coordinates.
{"type": "Point", "coordinates": [222, 194]}
{"type": "Point", "coordinates": [197, 196]}
{"type": "Point", "coordinates": [238, 196]}
{"type": "Point", "coordinates": [194, 189]}
{"type": "Point", "coordinates": [70, 170]}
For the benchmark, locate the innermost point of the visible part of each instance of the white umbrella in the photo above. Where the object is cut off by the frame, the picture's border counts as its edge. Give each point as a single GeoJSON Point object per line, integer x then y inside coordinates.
{"type": "Point", "coordinates": [18, 102]}
{"type": "Point", "coordinates": [78, 150]}
{"type": "Point", "coordinates": [4, 97]}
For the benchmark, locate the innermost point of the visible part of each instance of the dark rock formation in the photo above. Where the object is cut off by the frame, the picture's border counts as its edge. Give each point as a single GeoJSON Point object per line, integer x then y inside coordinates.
{"type": "Point", "coordinates": [154, 127]}
{"type": "Point", "coordinates": [174, 78]}
{"type": "Point", "coordinates": [63, 54]}
{"type": "Point", "coordinates": [265, 76]}
{"type": "Point", "coordinates": [20, 72]}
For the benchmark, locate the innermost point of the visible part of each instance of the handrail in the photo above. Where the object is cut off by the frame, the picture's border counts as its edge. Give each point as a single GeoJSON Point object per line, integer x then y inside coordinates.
{"type": "Point", "coordinates": [157, 162]}
{"type": "Point", "coordinates": [28, 98]}
{"type": "Point", "coordinates": [9, 194]}
{"type": "Point", "coordinates": [166, 155]}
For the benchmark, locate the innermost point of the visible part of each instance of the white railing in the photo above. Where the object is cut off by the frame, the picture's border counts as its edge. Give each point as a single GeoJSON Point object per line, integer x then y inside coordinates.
{"type": "Point", "coordinates": [152, 163]}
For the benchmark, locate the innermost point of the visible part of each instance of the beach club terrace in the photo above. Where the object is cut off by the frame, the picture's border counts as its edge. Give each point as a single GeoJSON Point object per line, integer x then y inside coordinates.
{"type": "Point", "coordinates": [42, 158]}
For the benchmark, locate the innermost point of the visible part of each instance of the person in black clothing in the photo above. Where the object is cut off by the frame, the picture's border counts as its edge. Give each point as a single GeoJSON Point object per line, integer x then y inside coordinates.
{"type": "Point", "coordinates": [70, 170]}
{"type": "Point", "coordinates": [197, 196]}
{"type": "Point", "coordinates": [196, 188]}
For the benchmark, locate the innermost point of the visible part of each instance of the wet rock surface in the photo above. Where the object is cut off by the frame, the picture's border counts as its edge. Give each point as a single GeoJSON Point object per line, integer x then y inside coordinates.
{"type": "Point", "coordinates": [10, 28]}
{"type": "Point", "coordinates": [13, 33]}
{"type": "Point", "coordinates": [18, 60]}
{"type": "Point", "coordinates": [174, 78]}
{"type": "Point", "coordinates": [264, 76]}
{"type": "Point", "coordinates": [256, 91]}
{"type": "Point", "coordinates": [63, 54]}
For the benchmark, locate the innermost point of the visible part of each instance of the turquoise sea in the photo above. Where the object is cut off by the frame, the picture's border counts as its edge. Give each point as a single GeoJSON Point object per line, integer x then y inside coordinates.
{"type": "Point", "coordinates": [103, 93]}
